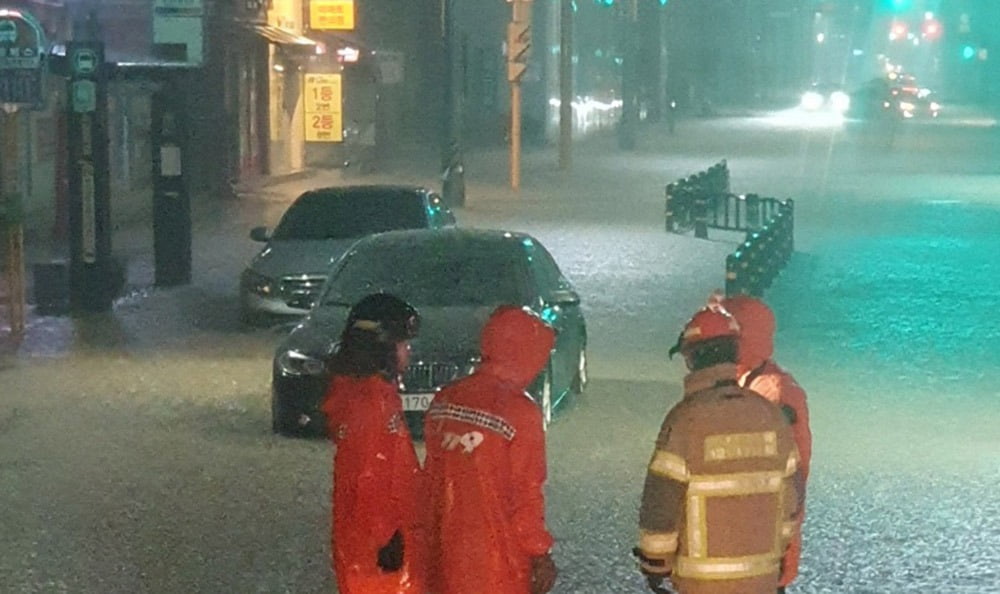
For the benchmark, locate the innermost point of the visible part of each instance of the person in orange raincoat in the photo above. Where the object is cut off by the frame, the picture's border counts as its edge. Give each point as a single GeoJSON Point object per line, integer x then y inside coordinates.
{"type": "Point", "coordinates": [758, 371]}
{"type": "Point", "coordinates": [377, 541]}
{"type": "Point", "coordinates": [486, 467]}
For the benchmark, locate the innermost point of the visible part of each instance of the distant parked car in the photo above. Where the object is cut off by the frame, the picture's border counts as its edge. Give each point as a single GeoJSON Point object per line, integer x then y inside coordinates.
{"type": "Point", "coordinates": [455, 278]}
{"type": "Point", "coordinates": [286, 276]}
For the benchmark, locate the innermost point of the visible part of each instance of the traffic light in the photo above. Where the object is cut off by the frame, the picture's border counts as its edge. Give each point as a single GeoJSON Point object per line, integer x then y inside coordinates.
{"type": "Point", "coordinates": [931, 29]}
{"type": "Point", "coordinates": [968, 52]}
{"type": "Point", "coordinates": [897, 5]}
{"type": "Point", "coordinates": [898, 31]}
{"type": "Point", "coordinates": [518, 49]}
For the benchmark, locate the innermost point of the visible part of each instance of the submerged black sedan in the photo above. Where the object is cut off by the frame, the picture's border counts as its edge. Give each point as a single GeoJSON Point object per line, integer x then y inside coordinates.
{"type": "Point", "coordinates": [455, 278]}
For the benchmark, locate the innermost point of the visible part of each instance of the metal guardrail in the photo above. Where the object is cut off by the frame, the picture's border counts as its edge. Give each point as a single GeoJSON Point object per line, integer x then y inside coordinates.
{"type": "Point", "coordinates": [752, 268]}
{"type": "Point", "coordinates": [689, 200]}
{"type": "Point", "coordinates": [704, 200]}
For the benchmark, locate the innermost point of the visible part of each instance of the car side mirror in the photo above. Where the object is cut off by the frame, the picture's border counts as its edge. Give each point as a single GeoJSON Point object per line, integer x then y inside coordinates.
{"type": "Point", "coordinates": [260, 234]}
{"type": "Point", "coordinates": [564, 297]}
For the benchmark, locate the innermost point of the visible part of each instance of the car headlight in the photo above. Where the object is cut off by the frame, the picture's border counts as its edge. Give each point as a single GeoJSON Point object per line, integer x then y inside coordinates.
{"type": "Point", "coordinates": [906, 106]}
{"type": "Point", "coordinates": [840, 101]}
{"type": "Point", "coordinates": [259, 284]}
{"type": "Point", "coordinates": [812, 100]}
{"type": "Point", "coordinates": [935, 106]}
{"type": "Point", "coordinates": [293, 362]}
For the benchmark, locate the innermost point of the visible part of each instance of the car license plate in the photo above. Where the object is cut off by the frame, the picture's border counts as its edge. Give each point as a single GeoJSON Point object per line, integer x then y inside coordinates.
{"type": "Point", "coordinates": [418, 402]}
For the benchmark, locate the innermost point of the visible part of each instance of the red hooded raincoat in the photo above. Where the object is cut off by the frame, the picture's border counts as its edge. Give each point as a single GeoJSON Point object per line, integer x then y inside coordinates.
{"type": "Point", "coordinates": [486, 465]}
{"type": "Point", "coordinates": [376, 486]}
{"type": "Point", "coordinates": [758, 372]}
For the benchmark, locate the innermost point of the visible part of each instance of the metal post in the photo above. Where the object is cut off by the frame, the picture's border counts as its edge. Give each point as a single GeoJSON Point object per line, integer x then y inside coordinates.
{"type": "Point", "coordinates": [11, 229]}
{"type": "Point", "coordinates": [565, 84]}
{"type": "Point", "coordinates": [515, 136]}
{"type": "Point", "coordinates": [171, 199]}
{"type": "Point", "coordinates": [753, 211]}
{"type": "Point", "coordinates": [701, 214]}
{"type": "Point", "coordinates": [630, 69]}
{"type": "Point", "coordinates": [669, 208]}
{"type": "Point", "coordinates": [518, 45]}
{"type": "Point", "coordinates": [732, 274]}
{"type": "Point", "coordinates": [452, 165]}
{"type": "Point", "coordinates": [790, 213]}
{"type": "Point", "coordinates": [91, 284]}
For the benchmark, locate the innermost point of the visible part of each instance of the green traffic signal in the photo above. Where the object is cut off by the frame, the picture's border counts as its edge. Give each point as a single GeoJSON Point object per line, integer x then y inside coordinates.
{"type": "Point", "coordinates": [897, 5]}
{"type": "Point", "coordinates": [968, 52]}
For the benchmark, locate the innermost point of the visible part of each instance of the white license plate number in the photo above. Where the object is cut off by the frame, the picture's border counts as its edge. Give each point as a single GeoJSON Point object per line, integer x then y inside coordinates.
{"type": "Point", "coordinates": [418, 402]}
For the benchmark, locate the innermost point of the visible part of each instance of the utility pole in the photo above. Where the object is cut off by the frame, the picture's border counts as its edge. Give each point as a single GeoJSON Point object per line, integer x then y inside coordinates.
{"type": "Point", "coordinates": [452, 166]}
{"type": "Point", "coordinates": [565, 84]}
{"type": "Point", "coordinates": [11, 229]}
{"type": "Point", "coordinates": [518, 49]}
{"type": "Point", "coordinates": [630, 69]}
{"type": "Point", "coordinates": [91, 285]}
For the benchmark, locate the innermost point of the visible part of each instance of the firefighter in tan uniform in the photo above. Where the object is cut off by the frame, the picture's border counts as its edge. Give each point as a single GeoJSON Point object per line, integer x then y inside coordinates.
{"type": "Point", "coordinates": [719, 503]}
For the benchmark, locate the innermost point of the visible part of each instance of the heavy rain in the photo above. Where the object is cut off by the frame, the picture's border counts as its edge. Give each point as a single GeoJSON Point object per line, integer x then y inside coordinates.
{"type": "Point", "coordinates": [136, 444]}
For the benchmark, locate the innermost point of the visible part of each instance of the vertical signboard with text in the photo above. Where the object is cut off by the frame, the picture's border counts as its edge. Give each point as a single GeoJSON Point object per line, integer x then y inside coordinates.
{"type": "Point", "coordinates": [324, 121]}
{"type": "Point", "coordinates": [22, 53]}
{"type": "Point", "coordinates": [331, 15]}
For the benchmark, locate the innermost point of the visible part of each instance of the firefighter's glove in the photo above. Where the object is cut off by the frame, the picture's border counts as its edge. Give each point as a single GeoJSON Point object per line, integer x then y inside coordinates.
{"type": "Point", "coordinates": [658, 584]}
{"type": "Point", "coordinates": [543, 574]}
{"type": "Point", "coordinates": [390, 557]}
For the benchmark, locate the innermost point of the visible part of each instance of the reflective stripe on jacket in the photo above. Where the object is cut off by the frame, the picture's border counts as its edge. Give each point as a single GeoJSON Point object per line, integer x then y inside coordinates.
{"type": "Point", "coordinates": [486, 467]}
{"type": "Point", "coordinates": [719, 500]}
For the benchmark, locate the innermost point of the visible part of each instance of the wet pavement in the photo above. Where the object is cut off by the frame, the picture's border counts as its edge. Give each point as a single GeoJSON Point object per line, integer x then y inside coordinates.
{"type": "Point", "coordinates": [135, 452]}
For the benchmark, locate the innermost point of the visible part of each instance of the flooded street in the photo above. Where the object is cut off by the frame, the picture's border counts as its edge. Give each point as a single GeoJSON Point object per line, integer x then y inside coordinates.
{"type": "Point", "coordinates": [136, 453]}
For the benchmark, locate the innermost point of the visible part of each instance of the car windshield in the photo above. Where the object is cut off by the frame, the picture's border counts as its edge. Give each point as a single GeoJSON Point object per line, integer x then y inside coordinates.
{"type": "Point", "coordinates": [340, 215]}
{"type": "Point", "coordinates": [432, 275]}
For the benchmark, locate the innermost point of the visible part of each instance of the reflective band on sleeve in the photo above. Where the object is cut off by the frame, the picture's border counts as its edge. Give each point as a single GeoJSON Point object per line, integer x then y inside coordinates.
{"type": "Point", "coordinates": [657, 545]}
{"type": "Point", "coordinates": [793, 462]}
{"type": "Point", "coordinates": [726, 568]}
{"type": "Point", "coordinates": [670, 465]}
{"type": "Point", "coordinates": [654, 569]}
{"type": "Point", "coordinates": [697, 527]}
{"type": "Point", "coordinates": [743, 483]}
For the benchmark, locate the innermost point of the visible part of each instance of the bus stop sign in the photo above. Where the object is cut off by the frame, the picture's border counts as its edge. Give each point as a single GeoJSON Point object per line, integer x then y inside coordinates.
{"type": "Point", "coordinates": [22, 58]}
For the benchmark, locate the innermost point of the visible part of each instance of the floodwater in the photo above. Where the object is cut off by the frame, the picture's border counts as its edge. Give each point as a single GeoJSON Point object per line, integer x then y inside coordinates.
{"type": "Point", "coordinates": [135, 452]}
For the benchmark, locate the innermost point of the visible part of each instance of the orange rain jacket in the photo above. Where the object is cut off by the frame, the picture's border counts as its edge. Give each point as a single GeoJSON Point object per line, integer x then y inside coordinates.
{"type": "Point", "coordinates": [376, 486]}
{"type": "Point", "coordinates": [486, 465]}
{"type": "Point", "coordinates": [758, 372]}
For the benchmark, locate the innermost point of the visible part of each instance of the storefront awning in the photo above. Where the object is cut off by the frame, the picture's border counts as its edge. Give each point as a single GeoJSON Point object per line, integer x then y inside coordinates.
{"type": "Point", "coordinates": [280, 36]}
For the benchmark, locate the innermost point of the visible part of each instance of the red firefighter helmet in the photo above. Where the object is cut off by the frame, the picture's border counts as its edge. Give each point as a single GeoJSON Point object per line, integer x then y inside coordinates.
{"type": "Point", "coordinates": [712, 321]}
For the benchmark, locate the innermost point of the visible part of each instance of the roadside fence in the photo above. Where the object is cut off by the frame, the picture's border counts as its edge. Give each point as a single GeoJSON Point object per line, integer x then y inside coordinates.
{"type": "Point", "coordinates": [705, 200]}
